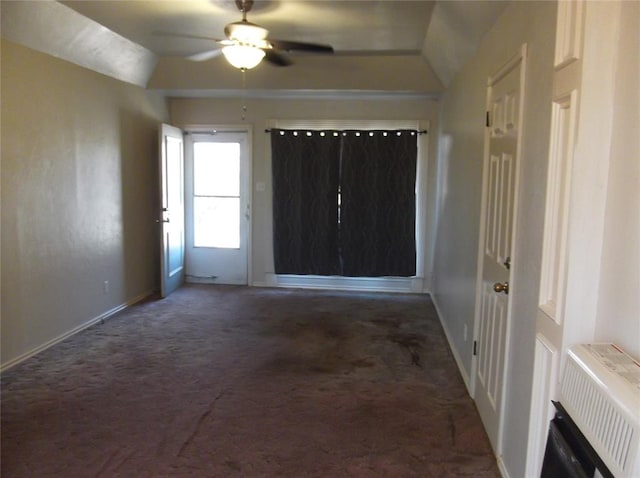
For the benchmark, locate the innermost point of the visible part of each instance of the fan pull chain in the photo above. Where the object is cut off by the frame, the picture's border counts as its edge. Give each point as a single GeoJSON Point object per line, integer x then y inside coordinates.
{"type": "Point", "coordinates": [244, 94]}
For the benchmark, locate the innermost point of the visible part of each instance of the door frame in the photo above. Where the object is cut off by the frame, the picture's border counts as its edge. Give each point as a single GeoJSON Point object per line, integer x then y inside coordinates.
{"type": "Point", "coordinates": [248, 130]}
{"type": "Point", "coordinates": [519, 58]}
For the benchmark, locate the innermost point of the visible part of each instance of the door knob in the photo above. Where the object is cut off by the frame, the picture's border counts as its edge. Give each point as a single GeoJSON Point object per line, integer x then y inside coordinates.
{"type": "Point", "coordinates": [501, 287]}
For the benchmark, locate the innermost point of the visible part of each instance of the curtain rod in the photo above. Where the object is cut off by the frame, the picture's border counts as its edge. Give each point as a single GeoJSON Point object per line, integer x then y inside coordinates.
{"type": "Point", "coordinates": [418, 131]}
{"type": "Point", "coordinates": [215, 131]}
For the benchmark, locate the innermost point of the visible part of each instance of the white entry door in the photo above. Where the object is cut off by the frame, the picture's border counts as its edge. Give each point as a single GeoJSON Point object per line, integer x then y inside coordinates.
{"type": "Point", "coordinates": [499, 194]}
{"type": "Point", "coordinates": [217, 207]}
{"type": "Point", "coordinates": [171, 218]}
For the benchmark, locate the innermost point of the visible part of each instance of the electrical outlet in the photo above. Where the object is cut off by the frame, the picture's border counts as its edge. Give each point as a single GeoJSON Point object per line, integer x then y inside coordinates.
{"type": "Point", "coordinates": [465, 332]}
{"type": "Point", "coordinates": [105, 287]}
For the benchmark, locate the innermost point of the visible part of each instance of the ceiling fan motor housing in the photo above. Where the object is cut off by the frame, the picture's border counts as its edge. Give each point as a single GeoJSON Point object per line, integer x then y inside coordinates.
{"type": "Point", "coordinates": [247, 44]}
{"type": "Point", "coordinates": [244, 5]}
{"type": "Point", "coordinates": [247, 32]}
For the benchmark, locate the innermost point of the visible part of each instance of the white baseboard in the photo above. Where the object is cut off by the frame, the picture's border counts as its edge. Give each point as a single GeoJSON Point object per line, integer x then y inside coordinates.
{"type": "Point", "coordinates": [259, 284]}
{"type": "Point", "coordinates": [502, 468]}
{"type": "Point", "coordinates": [409, 285]}
{"type": "Point", "coordinates": [104, 316]}
{"type": "Point", "coordinates": [465, 377]}
{"type": "Point", "coordinates": [454, 351]}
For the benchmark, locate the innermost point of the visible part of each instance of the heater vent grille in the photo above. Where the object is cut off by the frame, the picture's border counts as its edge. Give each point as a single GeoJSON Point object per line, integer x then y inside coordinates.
{"type": "Point", "coordinates": [604, 406]}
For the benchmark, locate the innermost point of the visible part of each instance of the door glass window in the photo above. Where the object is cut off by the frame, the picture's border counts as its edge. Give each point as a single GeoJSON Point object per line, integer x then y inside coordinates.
{"type": "Point", "coordinates": [216, 195]}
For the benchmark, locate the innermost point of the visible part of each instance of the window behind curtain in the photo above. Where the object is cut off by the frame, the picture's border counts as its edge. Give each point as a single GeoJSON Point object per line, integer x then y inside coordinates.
{"type": "Point", "coordinates": [370, 231]}
{"type": "Point", "coordinates": [378, 210]}
{"type": "Point", "coordinates": [305, 170]}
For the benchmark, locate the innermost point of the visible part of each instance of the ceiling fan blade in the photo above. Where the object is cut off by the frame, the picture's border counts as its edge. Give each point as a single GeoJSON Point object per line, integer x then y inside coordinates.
{"type": "Point", "coordinates": [287, 45]}
{"type": "Point", "coordinates": [205, 55]}
{"type": "Point", "coordinates": [275, 58]}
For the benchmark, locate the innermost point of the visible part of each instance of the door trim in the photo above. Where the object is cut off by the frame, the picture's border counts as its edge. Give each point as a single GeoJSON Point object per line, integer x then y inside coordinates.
{"type": "Point", "coordinates": [248, 130]}
{"type": "Point", "coordinates": [519, 58]}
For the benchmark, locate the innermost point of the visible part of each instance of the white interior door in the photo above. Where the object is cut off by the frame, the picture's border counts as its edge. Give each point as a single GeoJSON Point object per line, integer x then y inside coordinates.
{"type": "Point", "coordinates": [171, 169]}
{"type": "Point", "coordinates": [217, 190]}
{"type": "Point", "coordinates": [499, 194]}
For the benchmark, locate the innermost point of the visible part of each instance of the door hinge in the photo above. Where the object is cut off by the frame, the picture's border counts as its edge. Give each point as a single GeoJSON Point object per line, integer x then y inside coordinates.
{"type": "Point", "coordinates": [475, 347]}
{"type": "Point", "coordinates": [488, 123]}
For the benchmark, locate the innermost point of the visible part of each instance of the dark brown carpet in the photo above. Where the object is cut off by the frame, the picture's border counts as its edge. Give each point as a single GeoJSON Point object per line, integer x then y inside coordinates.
{"type": "Point", "coordinates": [236, 381]}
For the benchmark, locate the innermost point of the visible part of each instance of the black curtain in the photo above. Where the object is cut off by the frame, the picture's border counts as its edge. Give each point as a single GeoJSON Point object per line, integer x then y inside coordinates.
{"type": "Point", "coordinates": [305, 168]}
{"type": "Point", "coordinates": [371, 233]}
{"type": "Point", "coordinates": [378, 210]}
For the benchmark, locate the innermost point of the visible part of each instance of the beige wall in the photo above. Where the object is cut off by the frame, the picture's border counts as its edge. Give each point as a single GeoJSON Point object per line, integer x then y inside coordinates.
{"type": "Point", "coordinates": [460, 183]}
{"type": "Point", "coordinates": [78, 196]}
{"type": "Point", "coordinates": [228, 111]}
{"type": "Point", "coordinates": [309, 72]}
{"type": "Point", "coordinates": [618, 318]}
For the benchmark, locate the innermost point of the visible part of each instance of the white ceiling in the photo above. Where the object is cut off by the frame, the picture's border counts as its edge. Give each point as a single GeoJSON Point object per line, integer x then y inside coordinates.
{"type": "Point", "coordinates": [381, 45]}
{"type": "Point", "coordinates": [346, 25]}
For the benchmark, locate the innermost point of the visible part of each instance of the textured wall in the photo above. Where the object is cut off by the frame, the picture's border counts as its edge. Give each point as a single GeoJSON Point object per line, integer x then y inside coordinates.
{"type": "Point", "coordinates": [618, 317]}
{"type": "Point", "coordinates": [460, 182]}
{"type": "Point", "coordinates": [78, 196]}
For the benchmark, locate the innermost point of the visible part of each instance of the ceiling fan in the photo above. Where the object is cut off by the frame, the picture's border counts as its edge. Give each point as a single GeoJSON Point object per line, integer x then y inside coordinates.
{"type": "Point", "coordinates": [247, 44]}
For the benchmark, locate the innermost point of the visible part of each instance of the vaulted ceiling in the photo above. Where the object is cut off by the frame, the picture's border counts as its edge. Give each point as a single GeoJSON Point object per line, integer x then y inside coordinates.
{"type": "Point", "coordinates": [392, 46]}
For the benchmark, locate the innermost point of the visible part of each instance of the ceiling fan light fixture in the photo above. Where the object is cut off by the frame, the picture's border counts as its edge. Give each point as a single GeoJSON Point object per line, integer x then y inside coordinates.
{"type": "Point", "coordinates": [243, 57]}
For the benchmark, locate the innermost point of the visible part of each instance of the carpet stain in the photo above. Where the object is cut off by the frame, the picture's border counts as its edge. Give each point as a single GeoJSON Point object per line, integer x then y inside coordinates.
{"type": "Point", "coordinates": [362, 363]}
{"type": "Point", "coordinates": [252, 382]}
{"type": "Point", "coordinates": [234, 465]}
